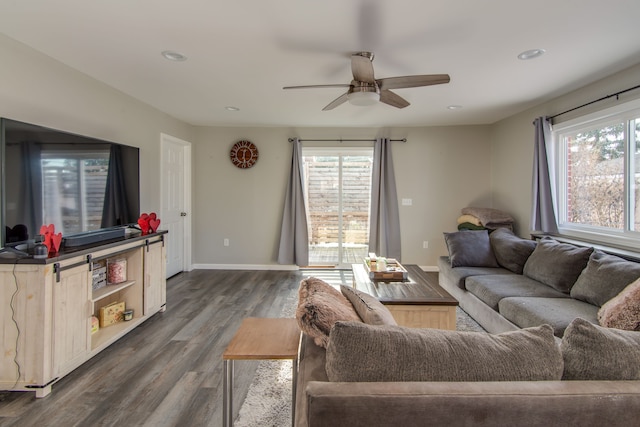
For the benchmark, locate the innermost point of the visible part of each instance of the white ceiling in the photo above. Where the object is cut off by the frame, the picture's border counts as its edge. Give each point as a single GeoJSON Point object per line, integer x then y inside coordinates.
{"type": "Point", "coordinates": [242, 52]}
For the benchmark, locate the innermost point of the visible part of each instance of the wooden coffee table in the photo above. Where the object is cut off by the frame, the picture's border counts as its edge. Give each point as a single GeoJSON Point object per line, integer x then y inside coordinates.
{"type": "Point", "coordinates": [260, 339]}
{"type": "Point", "coordinates": [415, 303]}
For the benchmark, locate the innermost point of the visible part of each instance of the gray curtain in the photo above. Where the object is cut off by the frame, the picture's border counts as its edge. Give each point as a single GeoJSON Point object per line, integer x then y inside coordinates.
{"type": "Point", "coordinates": [115, 209]}
{"type": "Point", "coordinates": [294, 236]}
{"type": "Point", "coordinates": [543, 216]}
{"type": "Point", "coordinates": [32, 188]}
{"type": "Point", "coordinates": [384, 226]}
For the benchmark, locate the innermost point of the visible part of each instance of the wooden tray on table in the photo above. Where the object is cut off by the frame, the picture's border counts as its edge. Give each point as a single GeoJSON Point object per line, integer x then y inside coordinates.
{"type": "Point", "coordinates": [395, 272]}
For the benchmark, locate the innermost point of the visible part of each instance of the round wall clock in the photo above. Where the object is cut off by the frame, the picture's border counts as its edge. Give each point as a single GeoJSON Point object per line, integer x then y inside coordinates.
{"type": "Point", "coordinates": [244, 154]}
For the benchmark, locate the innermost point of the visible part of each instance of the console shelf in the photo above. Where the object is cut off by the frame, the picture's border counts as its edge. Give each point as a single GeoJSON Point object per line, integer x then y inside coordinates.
{"type": "Point", "coordinates": [98, 294]}
{"type": "Point", "coordinates": [47, 306]}
{"type": "Point", "coordinates": [106, 336]}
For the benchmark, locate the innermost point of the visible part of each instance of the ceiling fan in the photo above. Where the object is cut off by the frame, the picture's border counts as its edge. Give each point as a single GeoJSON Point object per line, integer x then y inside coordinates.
{"type": "Point", "coordinates": [365, 89]}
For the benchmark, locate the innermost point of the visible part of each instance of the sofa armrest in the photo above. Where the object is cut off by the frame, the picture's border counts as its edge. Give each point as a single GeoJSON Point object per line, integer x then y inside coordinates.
{"type": "Point", "coordinates": [538, 403]}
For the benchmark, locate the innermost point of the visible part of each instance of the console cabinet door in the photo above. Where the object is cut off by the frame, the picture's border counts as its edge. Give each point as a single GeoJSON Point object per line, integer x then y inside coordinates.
{"type": "Point", "coordinates": [155, 265]}
{"type": "Point", "coordinates": [71, 319]}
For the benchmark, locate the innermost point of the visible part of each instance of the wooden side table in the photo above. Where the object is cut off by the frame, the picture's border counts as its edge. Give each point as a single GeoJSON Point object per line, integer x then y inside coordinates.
{"type": "Point", "coordinates": [260, 339]}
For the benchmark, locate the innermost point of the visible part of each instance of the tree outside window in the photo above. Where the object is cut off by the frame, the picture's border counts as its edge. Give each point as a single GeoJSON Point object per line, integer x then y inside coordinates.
{"type": "Point", "coordinates": [595, 171]}
{"type": "Point", "coordinates": [598, 164]}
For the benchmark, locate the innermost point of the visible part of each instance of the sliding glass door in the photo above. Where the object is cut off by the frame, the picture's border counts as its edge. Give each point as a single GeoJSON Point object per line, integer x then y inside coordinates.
{"type": "Point", "coordinates": [338, 196]}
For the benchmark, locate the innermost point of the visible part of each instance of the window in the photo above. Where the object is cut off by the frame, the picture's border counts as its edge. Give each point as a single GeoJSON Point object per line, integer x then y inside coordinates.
{"type": "Point", "coordinates": [74, 188]}
{"type": "Point", "coordinates": [338, 197]}
{"type": "Point", "coordinates": [598, 169]}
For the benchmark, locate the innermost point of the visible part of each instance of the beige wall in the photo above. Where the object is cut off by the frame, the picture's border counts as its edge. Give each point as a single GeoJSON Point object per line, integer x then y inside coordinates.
{"type": "Point", "coordinates": [37, 89]}
{"type": "Point", "coordinates": [512, 142]}
{"type": "Point", "coordinates": [442, 169]}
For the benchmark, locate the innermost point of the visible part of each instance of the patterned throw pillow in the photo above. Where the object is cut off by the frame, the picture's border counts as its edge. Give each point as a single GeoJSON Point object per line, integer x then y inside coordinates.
{"type": "Point", "coordinates": [623, 310]}
{"type": "Point", "coordinates": [320, 306]}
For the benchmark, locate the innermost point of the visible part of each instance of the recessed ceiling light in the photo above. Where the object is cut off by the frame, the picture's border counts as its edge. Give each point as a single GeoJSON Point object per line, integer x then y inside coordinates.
{"type": "Point", "coordinates": [173, 56]}
{"type": "Point", "coordinates": [230, 108]}
{"type": "Point", "coordinates": [530, 54]}
{"type": "Point", "coordinates": [454, 107]}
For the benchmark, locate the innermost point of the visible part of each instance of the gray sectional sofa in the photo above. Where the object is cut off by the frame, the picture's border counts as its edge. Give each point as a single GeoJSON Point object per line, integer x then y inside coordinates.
{"type": "Point", "coordinates": [371, 372]}
{"type": "Point", "coordinates": [506, 283]}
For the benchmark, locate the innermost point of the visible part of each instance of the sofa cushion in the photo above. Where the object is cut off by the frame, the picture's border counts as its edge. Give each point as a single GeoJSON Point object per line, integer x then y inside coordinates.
{"type": "Point", "coordinates": [511, 251]}
{"type": "Point", "coordinates": [369, 308]}
{"type": "Point", "coordinates": [491, 289]}
{"type": "Point", "coordinates": [526, 312]}
{"type": "Point", "coordinates": [470, 248]}
{"type": "Point", "coordinates": [623, 310]}
{"type": "Point", "coordinates": [458, 275]}
{"type": "Point", "coordinates": [591, 352]}
{"type": "Point", "coordinates": [604, 277]}
{"type": "Point", "coordinates": [360, 352]}
{"type": "Point", "coordinates": [556, 264]}
{"type": "Point", "coordinates": [320, 305]}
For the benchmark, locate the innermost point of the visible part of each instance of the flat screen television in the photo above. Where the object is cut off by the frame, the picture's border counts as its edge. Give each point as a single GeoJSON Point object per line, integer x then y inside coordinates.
{"type": "Point", "coordinates": [77, 183]}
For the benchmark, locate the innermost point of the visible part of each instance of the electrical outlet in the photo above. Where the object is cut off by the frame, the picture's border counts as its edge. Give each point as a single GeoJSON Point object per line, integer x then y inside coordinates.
{"type": "Point", "coordinates": [425, 244]}
{"type": "Point", "coordinates": [226, 242]}
{"type": "Point", "coordinates": [407, 202]}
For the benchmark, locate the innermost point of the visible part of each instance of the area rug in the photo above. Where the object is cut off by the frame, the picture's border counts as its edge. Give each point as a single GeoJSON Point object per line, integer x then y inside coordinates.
{"type": "Point", "coordinates": [268, 401]}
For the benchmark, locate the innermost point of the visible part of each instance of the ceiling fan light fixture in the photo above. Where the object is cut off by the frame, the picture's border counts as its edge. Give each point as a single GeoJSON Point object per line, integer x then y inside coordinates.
{"type": "Point", "coordinates": [363, 99]}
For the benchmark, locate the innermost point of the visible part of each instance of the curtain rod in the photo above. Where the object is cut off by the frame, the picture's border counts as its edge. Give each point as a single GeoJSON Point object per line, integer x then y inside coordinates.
{"type": "Point", "coordinates": [346, 140]}
{"type": "Point", "coordinates": [617, 94]}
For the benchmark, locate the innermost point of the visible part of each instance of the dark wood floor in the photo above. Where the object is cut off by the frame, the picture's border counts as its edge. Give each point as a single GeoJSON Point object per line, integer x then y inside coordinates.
{"type": "Point", "coordinates": [168, 371]}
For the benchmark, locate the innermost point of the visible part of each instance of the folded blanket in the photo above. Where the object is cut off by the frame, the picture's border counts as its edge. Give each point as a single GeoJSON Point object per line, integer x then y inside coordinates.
{"type": "Point", "coordinates": [495, 225]}
{"type": "Point", "coordinates": [470, 226]}
{"type": "Point", "coordinates": [488, 215]}
{"type": "Point", "coordinates": [469, 219]}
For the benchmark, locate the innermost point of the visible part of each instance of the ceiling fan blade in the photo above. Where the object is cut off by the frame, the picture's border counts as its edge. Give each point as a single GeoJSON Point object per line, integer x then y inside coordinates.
{"type": "Point", "coordinates": [315, 86]}
{"type": "Point", "coordinates": [362, 67]}
{"type": "Point", "coordinates": [392, 99]}
{"type": "Point", "coordinates": [413, 81]}
{"type": "Point", "coordinates": [338, 101]}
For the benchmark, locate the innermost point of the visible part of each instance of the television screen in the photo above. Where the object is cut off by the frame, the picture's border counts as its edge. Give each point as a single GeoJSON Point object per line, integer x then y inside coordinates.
{"type": "Point", "coordinates": [79, 184]}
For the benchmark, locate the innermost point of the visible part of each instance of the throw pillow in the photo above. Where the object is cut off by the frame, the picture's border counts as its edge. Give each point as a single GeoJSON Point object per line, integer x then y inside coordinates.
{"type": "Point", "coordinates": [511, 251]}
{"type": "Point", "coordinates": [359, 352]}
{"type": "Point", "coordinates": [623, 310]}
{"type": "Point", "coordinates": [591, 352]}
{"type": "Point", "coordinates": [470, 248]}
{"type": "Point", "coordinates": [605, 277]}
{"type": "Point", "coordinates": [320, 306]}
{"type": "Point", "coordinates": [369, 309]}
{"type": "Point", "coordinates": [556, 264]}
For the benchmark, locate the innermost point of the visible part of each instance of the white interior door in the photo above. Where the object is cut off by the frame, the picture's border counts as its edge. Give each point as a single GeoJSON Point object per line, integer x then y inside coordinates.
{"type": "Point", "coordinates": [176, 202]}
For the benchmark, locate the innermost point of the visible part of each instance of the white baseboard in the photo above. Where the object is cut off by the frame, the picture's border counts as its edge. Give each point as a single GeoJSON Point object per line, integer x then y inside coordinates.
{"type": "Point", "coordinates": [244, 267]}
{"type": "Point", "coordinates": [278, 267]}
